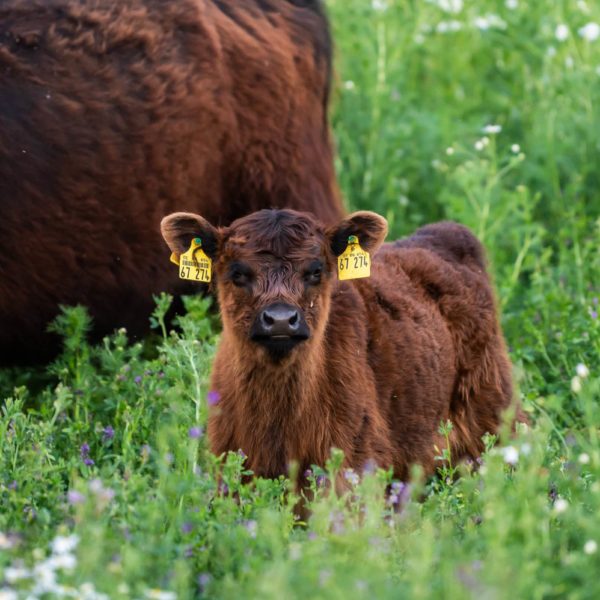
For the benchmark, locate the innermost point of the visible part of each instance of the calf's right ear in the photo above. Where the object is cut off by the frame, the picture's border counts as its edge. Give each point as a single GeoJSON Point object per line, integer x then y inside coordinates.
{"type": "Point", "coordinates": [368, 227]}
{"type": "Point", "coordinates": [180, 228]}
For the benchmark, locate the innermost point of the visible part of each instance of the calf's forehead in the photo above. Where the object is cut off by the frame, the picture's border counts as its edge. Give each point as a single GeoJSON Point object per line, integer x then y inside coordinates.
{"type": "Point", "coordinates": [273, 236]}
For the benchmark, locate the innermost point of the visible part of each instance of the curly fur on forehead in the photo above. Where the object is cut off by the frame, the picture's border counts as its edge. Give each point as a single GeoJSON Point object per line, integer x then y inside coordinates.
{"type": "Point", "coordinates": [281, 233]}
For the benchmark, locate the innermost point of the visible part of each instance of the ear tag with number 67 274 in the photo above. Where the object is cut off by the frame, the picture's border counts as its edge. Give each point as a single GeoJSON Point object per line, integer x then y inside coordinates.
{"type": "Point", "coordinates": [194, 265]}
{"type": "Point", "coordinates": [354, 262]}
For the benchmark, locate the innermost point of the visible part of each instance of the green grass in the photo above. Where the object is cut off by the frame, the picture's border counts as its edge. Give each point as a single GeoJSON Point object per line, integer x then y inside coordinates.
{"type": "Point", "coordinates": [151, 515]}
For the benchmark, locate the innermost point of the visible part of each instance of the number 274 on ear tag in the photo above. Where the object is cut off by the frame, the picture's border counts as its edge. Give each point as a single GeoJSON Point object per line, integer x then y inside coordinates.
{"type": "Point", "coordinates": [354, 262]}
{"type": "Point", "coordinates": [194, 265]}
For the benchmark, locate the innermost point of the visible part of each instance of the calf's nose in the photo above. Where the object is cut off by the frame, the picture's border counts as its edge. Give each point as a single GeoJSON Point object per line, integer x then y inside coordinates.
{"type": "Point", "coordinates": [279, 320]}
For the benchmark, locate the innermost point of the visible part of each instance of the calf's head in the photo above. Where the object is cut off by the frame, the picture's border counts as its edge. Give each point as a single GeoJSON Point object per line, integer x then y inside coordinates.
{"type": "Point", "coordinates": [274, 271]}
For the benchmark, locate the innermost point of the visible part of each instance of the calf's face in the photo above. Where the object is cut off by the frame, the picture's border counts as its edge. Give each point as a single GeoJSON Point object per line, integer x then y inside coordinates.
{"type": "Point", "coordinates": [274, 271]}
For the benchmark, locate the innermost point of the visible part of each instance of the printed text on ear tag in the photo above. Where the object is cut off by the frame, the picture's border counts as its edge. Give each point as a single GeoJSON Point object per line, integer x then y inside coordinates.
{"type": "Point", "coordinates": [194, 265]}
{"type": "Point", "coordinates": [354, 262]}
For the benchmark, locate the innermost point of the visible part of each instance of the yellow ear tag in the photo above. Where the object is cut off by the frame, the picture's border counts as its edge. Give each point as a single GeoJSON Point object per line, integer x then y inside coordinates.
{"type": "Point", "coordinates": [354, 262]}
{"type": "Point", "coordinates": [194, 265]}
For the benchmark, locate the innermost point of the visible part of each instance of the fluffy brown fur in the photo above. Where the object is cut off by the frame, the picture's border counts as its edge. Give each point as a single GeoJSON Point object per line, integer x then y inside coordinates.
{"type": "Point", "coordinates": [388, 358]}
{"type": "Point", "coordinates": [114, 113]}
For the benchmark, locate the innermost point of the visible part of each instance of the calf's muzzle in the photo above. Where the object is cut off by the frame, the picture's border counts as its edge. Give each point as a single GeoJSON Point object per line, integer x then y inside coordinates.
{"type": "Point", "coordinates": [279, 327]}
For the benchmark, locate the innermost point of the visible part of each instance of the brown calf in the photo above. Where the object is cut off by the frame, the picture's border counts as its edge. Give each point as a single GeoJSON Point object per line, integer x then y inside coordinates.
{"type": "Point", "coordinates": [114, 113]}
{"type": "Point", "coordinates": [372, 366]}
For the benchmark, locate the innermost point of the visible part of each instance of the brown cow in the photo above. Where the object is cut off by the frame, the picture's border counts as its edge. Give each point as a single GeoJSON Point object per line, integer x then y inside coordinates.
{"type": "Point", "coordinates": [372, 366]}
{"type": "Point", "coordinates": [114, 113]}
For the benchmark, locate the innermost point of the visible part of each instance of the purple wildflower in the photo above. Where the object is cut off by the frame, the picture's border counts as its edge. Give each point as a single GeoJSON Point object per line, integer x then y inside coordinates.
{"type": "Point", "coordinates": [213, 397]}
{"type": "Point", "coordinates": [251, 527]}
{"type": "Point", "coordinates": [336, 519]}
{"type": "Point", "coordinates": [203, 581]}
{"type": "Point", "coordinates": [593, 313]}
{"type": "Point", "coordinates": [13, 485]}
{"type": "Point", "coordinates": [351, 476]}
{"type": "Point", "coordinates": [195, 432]}
{"type": "Point", "coordinates": [108, 433]}
{"type": "Point", "coordinates": [321, 479]}
{"type": "Point", "coordinates": [161, 374]}
{"type": "Point", "coordinates": [138, 379]}
{"type": "Point", "coordinates": [187, 527]}
{"type": "Point", "coordinates": [308, 473]}
{"type": "Point", "coordinates": [84, 452]}
{"type": "Point", "coordinates": [75, 497]}
{"type": "Point", "coordinates": [370, 466]}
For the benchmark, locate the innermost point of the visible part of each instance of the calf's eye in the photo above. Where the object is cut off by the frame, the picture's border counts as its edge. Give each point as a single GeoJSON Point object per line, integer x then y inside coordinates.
{"type": "Point", "coordinates": [312, 276]}
{"type": "Point", "coordinates": [240, 275]}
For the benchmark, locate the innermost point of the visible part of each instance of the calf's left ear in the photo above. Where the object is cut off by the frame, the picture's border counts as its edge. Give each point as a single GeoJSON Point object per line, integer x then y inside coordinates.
{"type": "Point", "coordinates": [368, 227]}
{"type": "Point", "coordinates": [179, 229]}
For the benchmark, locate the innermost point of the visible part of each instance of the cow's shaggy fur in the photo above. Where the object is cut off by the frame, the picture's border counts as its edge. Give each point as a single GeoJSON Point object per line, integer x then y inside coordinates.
{"type": "Point", "coordinates": [113, 113]}
{"type": "Point", "coordinates": [388, 358]}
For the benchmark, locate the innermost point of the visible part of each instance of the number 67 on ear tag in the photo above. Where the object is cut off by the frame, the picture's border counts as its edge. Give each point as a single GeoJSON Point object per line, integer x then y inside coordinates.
{"type": "Point", "coordinates": [194, 265]}
{"type": "Point", "coordinates": [354, 262]}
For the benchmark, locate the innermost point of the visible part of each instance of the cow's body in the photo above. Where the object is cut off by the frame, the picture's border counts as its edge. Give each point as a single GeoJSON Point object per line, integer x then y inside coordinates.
{"type": "Point", "coordinates": [115, 113]}
{"type": "Point", "coordinates": [389, 358]}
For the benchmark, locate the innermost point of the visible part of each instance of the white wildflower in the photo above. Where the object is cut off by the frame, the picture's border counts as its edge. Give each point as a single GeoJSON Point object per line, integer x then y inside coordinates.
{"type": "Point", "coordinates": [510, 455]}
{"type": "Point", "coordinates": [560, 506]}
{"type": "Point", "coordinates": [451, 6]}
{"type": "Point", "coordinates": [525, 449]}
{"type": "Point", "coordinates": [403, 200]}
{"type": "Point", "coordinates": [45, 578]}
{"type": "Point", "coordinates": [379, 5]}
{"type": "Point", "coordinates": [583, 7]}
{"type": "Point", "coordinates": [590, 547]}
{"type": "Point", "coordinates": [590, 32]}
{"type": "Point", "coordinates": [561, 33]}
{"type": "Point", "coordinates": [515, 148]}
{"type": "Point", "coordinates": [479, 145]}
{"type": "Point", "coordinates": [13, 574]}
{"type": "Point", "coordinates": [160, 595]}
{"type": "Point", "coordinates": [512, 4]}
{"type": "Point", "coordinates": [450, 151]}
{"type": "Point", "coordinates": [582, 370]}
{"type": "Point", "coordinates": [569, 62]}
{"type": "Point", "coordinates": [492, 129]}
{"type": "Point", "coordinates": [489, 21]}
{"type": "Point", "coordinates": [6, 594]}
{"type": "Point", "coordinates": [5, 542]}
{"type": "Point", "coordinates": [87, 591]}
{"type": "Point", "coordinates": [63, 562]}
{"type": "Point", "coordinates": [349, 85]}
{"type": "Point", "coordinates": [551, 51]}
{"type": "Point", "coordinates": [64, 544]}
{"type": "Point", "coordinates": [584, 458]}
{"type": "Point", "coordinates": [448, 26]}
{"type": "Point", "coordinates": [576, 384]}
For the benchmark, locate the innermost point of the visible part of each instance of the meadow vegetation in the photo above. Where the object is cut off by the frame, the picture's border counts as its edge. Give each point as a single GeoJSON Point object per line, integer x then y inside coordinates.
{"type": "Point", "coordinates": [482, 111]}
